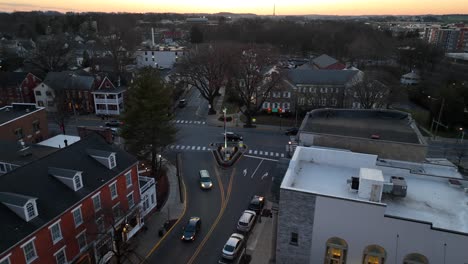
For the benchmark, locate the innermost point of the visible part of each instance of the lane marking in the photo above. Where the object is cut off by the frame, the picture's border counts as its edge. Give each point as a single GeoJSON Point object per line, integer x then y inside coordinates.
{"type": "Point", "coordinates": [265, 175]}
{"type": "Point", "coordinates": [177, 147]}
{"type": "Point", "coordinates": [277, 154]}
{"type": "Point", "coordinates": [255, 152]}
{"type": "Point", "coordinates": [198, 148]}
{"type": "Point", "coordinates": [203, 148]}
{"type": "Point", "coordinates": [190, 122]}
{"type": "Point", "coordinates": [250, 151]}
{"type": "Point", "coordinates": [172, 146]}
{"type": "Point", "coordinates": [261, 152]}
{"type": "Point", "coordinates": [282, 155]}
{"type": "Point", "coordinates": [178, 121]}
{"type": "Point", "coordinates": [203, 123]}
{"type": "Point", "coordinates": [244, 172]}
{"type": "Point", "coordinates": [272, 154]}
{"type": "Point", "coordinates": [182, 147]}
{"type": "Point", "coordinates": [261, 158]}
{"type": "Point", "coordinates": [256, 169]}
{"type": "Point", "coordinates": [193, 147]}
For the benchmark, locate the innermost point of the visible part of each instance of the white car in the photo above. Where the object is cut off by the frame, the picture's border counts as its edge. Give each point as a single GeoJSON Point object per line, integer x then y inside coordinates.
{"type": "Point", "coordinates": [233, 246]}
{"type": "Point", "coordinates": [246, 221]}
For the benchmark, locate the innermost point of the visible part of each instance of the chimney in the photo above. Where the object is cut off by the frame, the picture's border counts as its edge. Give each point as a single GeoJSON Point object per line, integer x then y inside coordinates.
{"type": "Point", "coordinates": [152, 36]}
{"type": "Point", "coordinates": [66, 142]}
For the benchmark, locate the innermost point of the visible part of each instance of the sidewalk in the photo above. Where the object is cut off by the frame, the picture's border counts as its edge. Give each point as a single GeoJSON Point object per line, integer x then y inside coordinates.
{"type": "Point", "coordinates": [262, 242]}
{"type": "Point", "coordinates": [145, 242]}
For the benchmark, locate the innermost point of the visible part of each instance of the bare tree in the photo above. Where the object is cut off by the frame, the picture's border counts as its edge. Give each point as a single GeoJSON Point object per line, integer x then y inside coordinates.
{"type": "Point", "coordinates": [52, 54]}
{"type": "Point", "coordinates": [62, 113]}
{"type": "Point", "coordinates": [206, 68]}
{"type": "Point", "coordinates": [370, 93]}
{"type": "Point", "coordinates": [254, 76]}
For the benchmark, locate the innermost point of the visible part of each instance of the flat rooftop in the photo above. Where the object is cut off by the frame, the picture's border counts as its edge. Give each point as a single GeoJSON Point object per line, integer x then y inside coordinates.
{"type": "Point", "coordinates": [430, 198]}
{"type": "Point", "coordinates": [389, 125]}
{"type": "Point", "coordinates": [11, 112]}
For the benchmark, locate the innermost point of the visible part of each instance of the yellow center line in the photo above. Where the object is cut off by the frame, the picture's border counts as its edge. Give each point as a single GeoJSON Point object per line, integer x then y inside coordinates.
{"type": "Point", "coordinates": [220, 214]}
{"type": "Point", "coordinates": [173, 226]}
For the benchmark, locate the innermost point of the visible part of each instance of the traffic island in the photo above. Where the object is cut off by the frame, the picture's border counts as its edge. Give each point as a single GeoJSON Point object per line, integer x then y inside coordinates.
{"type": "Point", "coordinates": [227, 156]}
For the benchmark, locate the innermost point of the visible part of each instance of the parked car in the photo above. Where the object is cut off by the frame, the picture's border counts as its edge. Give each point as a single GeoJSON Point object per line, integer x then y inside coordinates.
{"type": "Point", "coordinates": [191, 229]}
{"type": "Point", "coordinates": [205, 180]}
{"type": "Point", "coordinates": [291, 131]}
{"type": "Point", "coordinates": [257, 203]}
{"type": "Point", "coordinates": [114, 123]}
{"type": "Point", "coordinates": [231, 136]}
{"type": "Point", "coordinates": [182, 103]}
{"type": "Point", "coordinates": [233, 246]}
{"type": "Point", "coordinates": [246, 221]}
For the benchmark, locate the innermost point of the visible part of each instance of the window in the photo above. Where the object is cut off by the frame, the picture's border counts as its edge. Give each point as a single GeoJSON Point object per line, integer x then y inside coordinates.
{"type": "Point", "coordinates": [38, 93]}
{"type": "Point", "coordinates": [374, 254]}
{"type": "Point", "coordinates": [100, 225]}
{"type": "Point", "coordinates": [286, 105]}
{"type": "Point", "coordinates": [152, 199]}
{"type": "Point", "coordinates": [29, 251]}
{"type": "Point", "coordinates": [40, 103]}
{"type": "Point", "coordinates": [77, 217]}
{"type": "Point", "coordinates": [146, 53]}
{"type": "Point", "coordinates": [334, 102]}
{"type": "Point", "coordinates": [128, 178]}
{"type": "Point", "coordinates": [48, 93]}
{"type": "Point", "coordinates": [294, 239]}
{"type": "Point", "coordinates": [36, 126]}
{"type": "Point", "coordinates": [146, 59]}
{"type": "Point", "coordinates": [301, 101]}
{"type": "Point", "coordinates": [31, 211]}
{"type": "Point", "coordinates": [81, 239]}
{"type": "Point", "coordinates": [336, 251]}
{"type": "Point", "coordinates": [60, 256]}
{"type": "Point", "coordinates": [146, 203]}
{"type": "Point", "coordinates": [266, 105]}
{"type": "Point", "coordinates": [77, 182]}
{"type": "Point", "coordinates": [19, 133]}
{"type": "Point", "coordinates": [111, 161]}
{"type": "Point", "coordinates": [6, 259]}
{"type": "Point", "coordinates": [415, 258]}
{"type": "Point", "coordinates": [56, 232]}
{"type": "Point", "coordinates": [2, 167]}
{"type": "Point", "coordinates": [97, 202]}
{"type": "Point", "coordinates": [116, 212]}
{"type": "Point", "coordinates": [130, 200]}
{"type": "Point", "coordinates": [113, 190]}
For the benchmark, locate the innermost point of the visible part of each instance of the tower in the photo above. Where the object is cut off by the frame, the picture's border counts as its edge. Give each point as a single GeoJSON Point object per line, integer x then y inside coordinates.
{"type": "Point", "coordinates": [274, 9]}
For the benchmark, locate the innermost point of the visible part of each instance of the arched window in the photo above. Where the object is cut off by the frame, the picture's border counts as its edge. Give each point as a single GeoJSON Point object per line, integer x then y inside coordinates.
{"type": "Point", "coordinates": [336, 251]}
{"type": "Point", "coordinates": [30, 210]}
{"type": "Point", "coordinates": [415, 258]}
{"type": "Point", "coordinates": [374, 254]}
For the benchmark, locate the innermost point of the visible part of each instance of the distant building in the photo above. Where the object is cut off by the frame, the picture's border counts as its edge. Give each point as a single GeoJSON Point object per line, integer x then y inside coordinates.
{"type": "Point", "coordinates": [17, 87]}
{"type": "Point", "coordinates": [70, 206]}
{"type": "Point", "coordinates": [161, 58]}
{"type": "Point", "coordinates": [390, 134]}
{"type": "Point", "coordinates": [325, 62]}
{"type": "Point", "coordinates": [342, 207]}
{"type": "Point", "coordinates": [23, 122]}
{"type": "Point", "coordinates": [411, 78]}
{"type": "Point", "coordinates": [451, 38]}
{"type": "Point", "coordinates": [196, 20]}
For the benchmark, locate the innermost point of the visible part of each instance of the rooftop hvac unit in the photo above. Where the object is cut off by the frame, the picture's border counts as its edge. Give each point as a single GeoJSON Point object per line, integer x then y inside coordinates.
{"type": "Point", "coordinates": [370, 184]}
{"type": "Point", "coordinates": [399, 186]}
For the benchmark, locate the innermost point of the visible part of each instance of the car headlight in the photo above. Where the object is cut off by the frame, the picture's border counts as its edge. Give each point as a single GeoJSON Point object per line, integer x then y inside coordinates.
{"type": "Point", "coordinates": [210, 184]}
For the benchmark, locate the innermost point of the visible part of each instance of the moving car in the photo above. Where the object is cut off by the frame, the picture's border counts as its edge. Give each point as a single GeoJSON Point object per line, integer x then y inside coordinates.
{"type": "Point", "coordinates": [114, 123]}
{"type": "Point", "coordinates": [205, 180]}
{"type": "Point", "coordinates": [233, 246]}
{"type": "Point", "coordinates": [231, 136]}
{"type": "Point", "coordinates": [246, 221]}
{"type": "Point", "coordinates": [182, 103]}
{"type": "Point", "coordinates": [291, 131]}
{"type": "Point", "coordinates": [257, 203]}
{"type": "Point", "coordinates": [191, 229]}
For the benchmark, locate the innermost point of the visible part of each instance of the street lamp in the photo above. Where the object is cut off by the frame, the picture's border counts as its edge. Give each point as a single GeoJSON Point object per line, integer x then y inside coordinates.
{"type": "Point", "coordinates": [159, 165]}
{"type": "Point", "coordinates": [225, 136]}
{"type": "Point", "coordinates": [462, 134]}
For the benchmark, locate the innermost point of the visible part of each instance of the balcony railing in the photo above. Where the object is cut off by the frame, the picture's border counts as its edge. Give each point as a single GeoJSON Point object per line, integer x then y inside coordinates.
{"type": "Point", "coordinates": [108, 101]}
{"type": "Point", "coordinates": [148, 182]}
{"type": "Point", "coordinates": [107, 112]}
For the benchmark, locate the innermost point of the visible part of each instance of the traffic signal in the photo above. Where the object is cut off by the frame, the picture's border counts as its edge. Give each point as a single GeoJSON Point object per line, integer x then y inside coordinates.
{"type": "Point", "coordinates": [280, 110]}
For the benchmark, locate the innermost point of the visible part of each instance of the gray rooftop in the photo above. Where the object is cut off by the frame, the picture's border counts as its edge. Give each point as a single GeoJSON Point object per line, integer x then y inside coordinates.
{"type": "Point", "coordinates": [14, 111]}
{"type": "Point", "coordinates": [320, 77]}
{"type": "Point", "coordinates": [390, 125]}
{"type": "Point", "coordinates": [14, 198]}
{"type": "Point", "coordinates": [14, 153]}
{"type": "Point", "coordinates": [324, 61]}
{"type": "Point", "coordinates": [64, 173]}
{"type": "Point", "coordinates": [54, 197]}
{"type": "Point", "coordinates": [69, 81]}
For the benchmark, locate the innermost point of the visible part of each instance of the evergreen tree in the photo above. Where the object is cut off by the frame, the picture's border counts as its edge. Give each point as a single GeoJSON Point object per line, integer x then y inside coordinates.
{"type": "Point", "coordinates": [147, 128]}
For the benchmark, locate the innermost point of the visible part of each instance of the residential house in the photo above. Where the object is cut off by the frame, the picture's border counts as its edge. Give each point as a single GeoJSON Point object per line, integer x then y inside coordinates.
{"type": "Point", "coordinates": [18, 47]}
{"type": "Point", "coordinates": [159, 57]}
{"type": "Point", "coordinates": [73, 89]}
{"type": "Point", "coordinates": [17, 87]}
{"type": "Point", "coordinates": [23, 122]}
{"type": "Point", "coordinates": [411, 78]}
{"type": "Point", "coordinates": [79, 202]}
{"type": "Point", "coordinates": [108, 99]}
{"type": "Point", "coordinates": [307, 89]}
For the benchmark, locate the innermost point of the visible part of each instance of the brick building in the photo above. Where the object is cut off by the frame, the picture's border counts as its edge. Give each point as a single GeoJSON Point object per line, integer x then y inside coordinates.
{"type": "Point", "coordinates": [98, 190]}
{"type": "Point", "coordinates": [26, 122]}
{"type": "Point", "coordinates": [17, 87]}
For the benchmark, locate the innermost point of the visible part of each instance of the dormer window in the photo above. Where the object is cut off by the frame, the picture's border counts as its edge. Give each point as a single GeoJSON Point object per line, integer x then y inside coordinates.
{"type": "Point", "coordinates": [22, 205]}
{"type": "Point", "coordinates": [112, 161]}
{"type": "Point", "coordinates": [77, 182]}
{"type": "Point", "coordinates": [106, 158]}
{"type": "Point", "coordinates": [71, 178]}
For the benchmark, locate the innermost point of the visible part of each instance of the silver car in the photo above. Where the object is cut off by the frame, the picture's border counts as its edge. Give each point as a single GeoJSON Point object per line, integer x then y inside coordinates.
{"type": "Point", "coordinates": [233, 246]}
{"type": "Point", "coordinates": [246, 221]}
{"type": "Point", "coordinates": [205, 180]}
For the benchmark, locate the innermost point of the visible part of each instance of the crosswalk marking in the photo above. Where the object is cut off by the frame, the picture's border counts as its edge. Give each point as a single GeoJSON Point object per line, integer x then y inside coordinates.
{"type": "Point", "coordinates": [255, 152]}
{"type": "Point", "coordinates": [198, 148]}
{"type": "Point", "coordinates": [193, 147]}
{"type": "Point", "coordinates": [177, 147]}
{"type": "Point", "coordinates": [203, 148]}
{"type": "Point", "coordinates": [282, 155]}
{"type": "Point", "coordinates": [172, 146]}
{"type": "Point", "coordinates": [272, 154]}
{"type": "Point", "coordinates": [277, 154]}
{"type": "Point", "coordinates": [261, 152]}
{"type": "Point", "coordinates": [250, 151]}
{"type": "Point", "coordinates": [178, 121]}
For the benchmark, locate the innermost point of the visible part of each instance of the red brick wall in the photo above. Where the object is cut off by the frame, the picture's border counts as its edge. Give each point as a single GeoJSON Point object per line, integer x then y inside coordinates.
{"type": "Point", "coordinates": [7, 131]}
{"type": "Point", "coordinates": [43, 242]}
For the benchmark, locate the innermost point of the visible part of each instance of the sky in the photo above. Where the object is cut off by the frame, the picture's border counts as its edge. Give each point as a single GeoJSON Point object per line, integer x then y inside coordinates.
{"type": "Point", "coordinates": [260, 7]}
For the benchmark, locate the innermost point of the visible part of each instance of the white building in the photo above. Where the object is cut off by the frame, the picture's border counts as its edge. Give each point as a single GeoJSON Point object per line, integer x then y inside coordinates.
{"type": "Point", "coordinates": [108, 99]}
{"type": "Point", "coordinates": [410, 78]}
{"type": "Point", "coordinates": [158, 57]}
{"type": "Point", "coordinates": [341, 207]}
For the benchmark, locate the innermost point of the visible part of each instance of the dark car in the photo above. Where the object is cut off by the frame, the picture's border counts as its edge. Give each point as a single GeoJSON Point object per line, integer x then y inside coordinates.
{"type": "Point", "coordinates": [191, 229]}
{"type": "Point", "coordinates": [257, 203]}
{"type": "Point", "coordinates": [231, 136]}
{"type": "Point", "coordinates": [292, 131]}
{"type": "Point", "coordinates": [114, 123]}
{"type": "Point", "coordinates": [182, 103]}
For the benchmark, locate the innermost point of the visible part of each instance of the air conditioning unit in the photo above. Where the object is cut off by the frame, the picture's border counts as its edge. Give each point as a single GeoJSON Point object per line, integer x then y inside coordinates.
{"type": "Point", "coordinates": [399, 186]}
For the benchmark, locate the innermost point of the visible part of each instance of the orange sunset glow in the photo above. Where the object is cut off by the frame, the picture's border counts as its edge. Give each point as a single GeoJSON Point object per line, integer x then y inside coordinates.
{"type": "Point", "coordinates": [260, 7]}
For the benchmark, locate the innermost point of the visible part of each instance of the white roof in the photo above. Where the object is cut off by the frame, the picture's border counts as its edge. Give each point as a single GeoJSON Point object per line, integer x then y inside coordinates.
{"type": "Point", "coordinates": [59, 141]}
{"type": "Point", "coordinates": [430, 197]}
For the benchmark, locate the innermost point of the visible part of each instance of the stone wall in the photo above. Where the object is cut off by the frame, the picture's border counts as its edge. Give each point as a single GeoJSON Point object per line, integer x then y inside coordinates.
{"type": "Point", "coordinates": [296, 215]}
